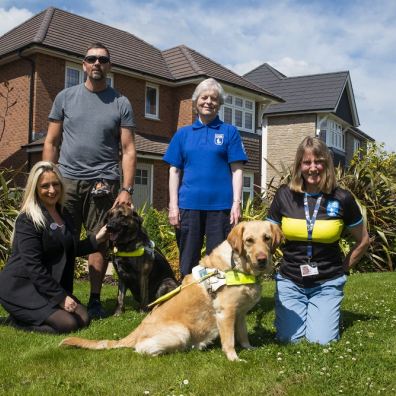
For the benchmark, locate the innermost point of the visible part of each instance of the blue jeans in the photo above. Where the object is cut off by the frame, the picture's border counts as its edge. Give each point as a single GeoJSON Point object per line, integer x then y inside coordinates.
{"type": "Point", "coordinates": [313, 313]}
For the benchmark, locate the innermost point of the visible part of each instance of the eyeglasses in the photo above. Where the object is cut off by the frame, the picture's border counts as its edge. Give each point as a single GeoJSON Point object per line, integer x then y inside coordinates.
{"type": "Point", "coordinates": [91, 59]}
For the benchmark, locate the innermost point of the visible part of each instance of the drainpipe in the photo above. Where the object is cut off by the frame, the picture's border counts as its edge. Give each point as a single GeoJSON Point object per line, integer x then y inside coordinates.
{"type": "Point", "coordinates": [31, 100]}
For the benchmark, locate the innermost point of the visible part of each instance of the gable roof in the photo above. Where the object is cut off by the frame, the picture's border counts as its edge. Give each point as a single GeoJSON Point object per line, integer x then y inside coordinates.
{"type": "Point", "coordinates": [185, 63]}
{"type": "Point", "coordinates": [316, 93]}
{"type": "Point", "coordinates": [61, 31]}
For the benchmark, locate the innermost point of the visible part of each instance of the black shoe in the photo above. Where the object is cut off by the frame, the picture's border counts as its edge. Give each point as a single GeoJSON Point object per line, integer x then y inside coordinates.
{"type": "Point", "coordinates": [95, 310]}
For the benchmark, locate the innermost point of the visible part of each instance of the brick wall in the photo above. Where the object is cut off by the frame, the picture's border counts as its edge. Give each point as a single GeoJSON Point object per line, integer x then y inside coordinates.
{"type": "Point", "coordinates": [16, 132]}
{"type": "Point", "coordinates": [50, 80]}
{"type": "Point", "coordinates": [184, 113]}
{"type": "Point", "coordinates": [285, 133]}
{"type": "Point", "coordinates": [135, 90]}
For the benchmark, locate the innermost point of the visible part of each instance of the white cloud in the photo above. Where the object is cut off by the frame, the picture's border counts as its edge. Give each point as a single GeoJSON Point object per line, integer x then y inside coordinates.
{"type": "Point", "coordinates": [12, 17]}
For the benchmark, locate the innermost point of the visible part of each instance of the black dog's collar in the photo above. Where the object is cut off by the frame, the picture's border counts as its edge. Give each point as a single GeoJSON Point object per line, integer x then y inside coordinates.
{"type": "Point", "coordinates": [137, 252]}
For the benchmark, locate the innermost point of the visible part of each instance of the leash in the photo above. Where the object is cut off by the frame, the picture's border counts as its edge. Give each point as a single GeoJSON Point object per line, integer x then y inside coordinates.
{"type": "Point", "coordinates": [178, 289]}
{"type": "Point", "coordinates": [229, 278]}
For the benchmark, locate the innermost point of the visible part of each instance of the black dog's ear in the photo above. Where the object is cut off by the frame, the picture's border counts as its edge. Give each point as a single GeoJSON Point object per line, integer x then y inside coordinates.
{"type": "Point", "coordinates": [137, 218]}
{"type": "Point", "coordinates": [106, 218]}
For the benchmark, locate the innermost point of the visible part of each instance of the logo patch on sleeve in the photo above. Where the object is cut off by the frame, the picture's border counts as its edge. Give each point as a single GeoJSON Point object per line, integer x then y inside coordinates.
{"type": "Point", "coordinates": [333, 208]}
{"type": "Point", "coordinates": [219, 139]}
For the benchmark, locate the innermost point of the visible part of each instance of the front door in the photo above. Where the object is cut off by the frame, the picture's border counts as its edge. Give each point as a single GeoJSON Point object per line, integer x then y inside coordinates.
{"type": "Point", "coordinates": [143, 185]}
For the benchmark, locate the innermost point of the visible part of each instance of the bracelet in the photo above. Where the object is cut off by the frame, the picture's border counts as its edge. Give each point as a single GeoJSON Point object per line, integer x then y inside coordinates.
{"type": "Point", "coordinates": [237, 201]}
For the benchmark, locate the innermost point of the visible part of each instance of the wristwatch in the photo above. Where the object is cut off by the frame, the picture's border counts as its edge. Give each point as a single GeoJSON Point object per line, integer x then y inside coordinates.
{"type": "Point", "coordinates": [128, 189]}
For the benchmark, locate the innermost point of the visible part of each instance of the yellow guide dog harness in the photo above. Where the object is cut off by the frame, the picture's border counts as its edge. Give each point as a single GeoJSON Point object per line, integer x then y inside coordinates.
{"type": "Point", "coordinates": [212, 279]}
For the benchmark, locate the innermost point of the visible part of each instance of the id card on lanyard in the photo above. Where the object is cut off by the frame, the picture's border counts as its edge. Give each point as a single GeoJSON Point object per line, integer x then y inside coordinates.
{"type": "Point", "coordinates": [310, 268]}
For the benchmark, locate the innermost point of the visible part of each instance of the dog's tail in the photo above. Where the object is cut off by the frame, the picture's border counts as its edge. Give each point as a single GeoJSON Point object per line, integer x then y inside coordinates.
{"type": "Point", "coordinates": [127, 342]}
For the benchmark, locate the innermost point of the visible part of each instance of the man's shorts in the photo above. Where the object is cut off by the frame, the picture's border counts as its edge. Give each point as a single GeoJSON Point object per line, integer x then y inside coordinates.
{"type": "Point", "coordinates": [86, 208]}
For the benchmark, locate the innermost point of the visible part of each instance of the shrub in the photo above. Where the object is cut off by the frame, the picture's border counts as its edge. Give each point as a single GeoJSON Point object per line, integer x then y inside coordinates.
{"type": "Point", "coordinates": [10, 199]}
{"type": "Point", "coordinates": [371, 177]}
{"type": "Point", "coordinates": [162, 234]}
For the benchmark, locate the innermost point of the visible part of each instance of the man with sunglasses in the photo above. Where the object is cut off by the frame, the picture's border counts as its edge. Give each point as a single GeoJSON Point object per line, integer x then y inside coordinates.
{"type": "Point", "coordinates": [88, 125]}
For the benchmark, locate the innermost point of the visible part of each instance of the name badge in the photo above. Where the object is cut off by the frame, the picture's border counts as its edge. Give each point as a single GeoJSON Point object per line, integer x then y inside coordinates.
{"type": "Point", "coordinates": [308, 270]}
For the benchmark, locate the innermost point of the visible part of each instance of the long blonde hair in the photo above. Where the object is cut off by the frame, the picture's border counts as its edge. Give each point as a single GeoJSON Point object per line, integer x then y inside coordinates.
{"type": "Point", "coordinates": [321, 151]}
{"type": "Point", "coordinates": [31, 203]}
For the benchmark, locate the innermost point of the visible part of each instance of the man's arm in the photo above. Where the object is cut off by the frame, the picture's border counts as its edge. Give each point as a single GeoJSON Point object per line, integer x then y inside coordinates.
{"type": "Point", "coordinates": [52, 141]}
{"type": "Point", "coordinates": [128, 164]}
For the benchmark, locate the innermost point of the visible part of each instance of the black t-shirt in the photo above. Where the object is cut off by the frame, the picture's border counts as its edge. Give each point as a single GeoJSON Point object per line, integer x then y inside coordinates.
{"type": "Point", "coordinates": [337, 210]}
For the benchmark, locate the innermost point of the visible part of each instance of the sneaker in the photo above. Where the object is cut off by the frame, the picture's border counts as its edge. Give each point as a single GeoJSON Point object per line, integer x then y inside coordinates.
{"type": "Point", "coordinates": [95, 310]}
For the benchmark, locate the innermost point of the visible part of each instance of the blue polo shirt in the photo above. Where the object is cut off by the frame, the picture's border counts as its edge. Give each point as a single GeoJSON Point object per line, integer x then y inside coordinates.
{"type": "Point", "coordinates": [204, 153]}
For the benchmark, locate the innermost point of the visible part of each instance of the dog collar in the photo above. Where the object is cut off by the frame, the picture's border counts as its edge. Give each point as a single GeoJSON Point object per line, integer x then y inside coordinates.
{"type": "Point", "coordinates": [135, 253]}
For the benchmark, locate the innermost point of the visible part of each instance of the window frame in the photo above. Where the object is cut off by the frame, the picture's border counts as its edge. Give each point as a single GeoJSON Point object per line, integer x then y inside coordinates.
{"type": "Point", "coordinates": [150, 115]}
{"type": "Point", "coordinates": [334, 133]}
{"type": "Point", "coordinates": [249, 189]}
{"type": "Point", "coordinates": [357, 144]}
{"type": "Point", "coordinates": [82, 76]}
{"type": "Point", "coordinates": [231, 104]}
{"type": "Point", "coordinates": [76, 68]}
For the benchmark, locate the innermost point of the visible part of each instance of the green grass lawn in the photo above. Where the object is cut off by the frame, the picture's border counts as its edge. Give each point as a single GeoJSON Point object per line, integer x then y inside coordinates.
{"type": "Point", "coordinates": [363, 362]}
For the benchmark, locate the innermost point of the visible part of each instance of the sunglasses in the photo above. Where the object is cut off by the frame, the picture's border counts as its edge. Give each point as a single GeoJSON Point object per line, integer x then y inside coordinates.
{"type": "Point", "coordinates": [91, 59]}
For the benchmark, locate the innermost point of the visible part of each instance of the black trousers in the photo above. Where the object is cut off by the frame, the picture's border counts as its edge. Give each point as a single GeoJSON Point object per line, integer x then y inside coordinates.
{"type": "Point", "coordinates": [194, 226]}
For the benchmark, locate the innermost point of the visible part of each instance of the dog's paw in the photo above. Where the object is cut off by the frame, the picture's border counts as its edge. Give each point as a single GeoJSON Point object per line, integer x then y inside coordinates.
{"type": "Point", "coordinates": [118, 311]}
{"type": "Point", "coordinates": [247, 346]}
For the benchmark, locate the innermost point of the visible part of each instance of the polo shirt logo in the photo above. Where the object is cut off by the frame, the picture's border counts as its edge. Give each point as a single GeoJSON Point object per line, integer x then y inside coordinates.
{"type": "Point", "coordinates": [333, 208]}
{"type": "Point", "coordinates": [219, 139]}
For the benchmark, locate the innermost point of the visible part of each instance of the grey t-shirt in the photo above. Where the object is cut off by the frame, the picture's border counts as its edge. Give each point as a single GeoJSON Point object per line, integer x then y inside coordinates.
{"type": "Point", "coordinates": [91, 131]}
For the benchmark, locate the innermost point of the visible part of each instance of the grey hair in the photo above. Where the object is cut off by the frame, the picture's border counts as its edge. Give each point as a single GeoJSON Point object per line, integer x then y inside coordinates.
{"type": "Point", "coordinates": [206, 85]}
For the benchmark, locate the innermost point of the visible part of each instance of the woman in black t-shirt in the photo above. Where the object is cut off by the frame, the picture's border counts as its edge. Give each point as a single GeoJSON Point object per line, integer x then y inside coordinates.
{"type": "Point", "coordinates": [312, 213]}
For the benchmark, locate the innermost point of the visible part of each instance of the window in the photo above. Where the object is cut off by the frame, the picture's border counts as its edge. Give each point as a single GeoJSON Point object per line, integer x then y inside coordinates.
{"type": "Point", "coordinates": [247, 187]}
{"type": "Point", "coordinates": [331, 132]}
{"type": "Point", "coordinates": [152, 97]}
{"type": "Point", "coordinates": [143, 194]}
{"type": "Point", "coordinates": [356, 145]}
{"type": "Point", "coordinates": [75, 75]}
{"type": "Point", "coordinates": [141, 176]}
{"type": "Point", "coordinates": [238, 111]}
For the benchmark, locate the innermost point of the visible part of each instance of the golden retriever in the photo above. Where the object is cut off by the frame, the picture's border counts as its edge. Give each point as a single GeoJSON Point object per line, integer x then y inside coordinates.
{"type": "Point", "coordinates": [194, 317]}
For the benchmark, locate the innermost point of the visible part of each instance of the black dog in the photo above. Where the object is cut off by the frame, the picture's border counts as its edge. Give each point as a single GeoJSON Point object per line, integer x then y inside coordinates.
{"type": "Point", "coordinates": [141, 268]}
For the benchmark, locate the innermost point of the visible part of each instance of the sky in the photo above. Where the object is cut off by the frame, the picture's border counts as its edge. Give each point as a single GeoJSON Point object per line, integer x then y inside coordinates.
{"type": "Point", "coordinates": [297, 37]}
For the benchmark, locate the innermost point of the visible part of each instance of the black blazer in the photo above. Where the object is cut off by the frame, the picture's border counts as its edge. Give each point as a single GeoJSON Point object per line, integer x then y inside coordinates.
{"type": "Point", "coordinates": [41, 266]}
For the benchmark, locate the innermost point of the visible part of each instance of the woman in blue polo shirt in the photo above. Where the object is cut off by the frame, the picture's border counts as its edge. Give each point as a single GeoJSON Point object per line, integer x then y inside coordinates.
{"type": "Point", "coordinates": [205, 177]}
{"type": "Point", "coordinates": [313, 212]}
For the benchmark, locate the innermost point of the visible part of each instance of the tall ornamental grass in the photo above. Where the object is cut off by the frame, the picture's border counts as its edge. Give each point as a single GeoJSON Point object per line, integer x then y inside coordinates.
{"type": "Point", "coordinates": [371, 177]}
